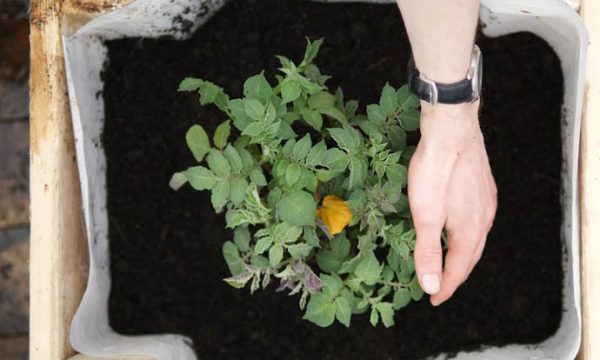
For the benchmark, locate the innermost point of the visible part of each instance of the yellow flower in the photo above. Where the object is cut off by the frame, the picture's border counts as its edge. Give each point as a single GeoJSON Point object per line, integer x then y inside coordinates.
{"type": "Point", "coordinates": [335, 214]}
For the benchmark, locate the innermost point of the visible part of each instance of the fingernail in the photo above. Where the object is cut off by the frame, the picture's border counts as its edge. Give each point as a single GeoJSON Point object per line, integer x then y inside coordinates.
{"type": "Point", "coordinates": [431, 283]}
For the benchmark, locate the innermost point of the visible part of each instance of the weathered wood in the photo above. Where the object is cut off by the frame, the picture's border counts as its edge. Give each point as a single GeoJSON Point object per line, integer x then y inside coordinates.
{"type": "Point", "coordinates": [59, 263]}
{"type": "Point", "coordinates": [590, 183]}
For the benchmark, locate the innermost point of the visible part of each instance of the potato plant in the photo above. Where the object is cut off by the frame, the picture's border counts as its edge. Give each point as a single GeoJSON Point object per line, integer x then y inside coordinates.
{"type": "Point", "coordinates": [313, 189]}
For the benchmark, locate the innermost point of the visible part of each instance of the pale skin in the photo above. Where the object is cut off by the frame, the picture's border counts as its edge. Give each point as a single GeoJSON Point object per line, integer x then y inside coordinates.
{"type": "Point", "coordinates": [451, 185]}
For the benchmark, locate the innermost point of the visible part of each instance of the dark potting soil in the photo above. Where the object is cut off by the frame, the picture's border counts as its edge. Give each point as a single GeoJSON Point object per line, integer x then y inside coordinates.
{"type": "Point", "coordinates": [165, 246]}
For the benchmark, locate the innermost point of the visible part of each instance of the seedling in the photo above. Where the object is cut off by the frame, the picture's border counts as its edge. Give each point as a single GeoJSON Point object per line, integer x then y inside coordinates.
{"type": "Point", "coordinates": [313, 190]}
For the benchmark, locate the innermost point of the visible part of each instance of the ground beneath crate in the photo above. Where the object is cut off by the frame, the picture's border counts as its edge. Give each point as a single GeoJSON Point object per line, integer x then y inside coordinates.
{"type": "Point", "coordinates": [165, 246]}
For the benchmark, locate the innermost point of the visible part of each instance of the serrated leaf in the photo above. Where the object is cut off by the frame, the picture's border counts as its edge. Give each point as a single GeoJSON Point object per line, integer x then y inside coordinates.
{"type": "Point", "coordinates": [368, 269]}
{"type": "Point", "coordinates": [262, 245]}
{"type": "Point", "coordinates": [290, 90]}
{"type": "Point", "coordinates": [328, 261]}
{"type": "Point", "coordinates": [386, 312]}
{"type": "Point", "coordinates": [409, 119]}
{"type": "Point", "coordinates": [233, 158]}
{"type": "Point", "coordinates": [335, 113]}
{"type": "Point", "coordinates": [297, 208]}
{"type": "Point", "coordinates": [254, 108]}
{"type": "Point", "coordinates": [241, 238]}
{"type": "Point", "coordinates": [320, 310]}
{"type": "Point", "coordinates": [197, 141]}
{"type": "Point", "coordinates": [218, 163]}
{"type": "Point", "coordinates": [376, 114]}
{"type": "Point", "coordinates": [340, 245]}
{"type": "Point", "coordinates": [397, 137]}
{"type": "Point", "coordinates": [343, 138]}
{"type": "Point", "coordinates": [219, 195]}
{"type": "Point", "coordinates": [293, 173]}
{"type": "Point", "coordinates": [313, 118]}
{"type": "Point", "coordinates": [358, 171]}
{"type": "Point", "coordinates": [397, 174]}
{"type": "Point", "coordinates": [374, 318]}
{"type": "Point", "coordinates": [316, 154]}
{"type": "Point", "coordinates": [388, 100]}
{"type": "Point", "coordinates": [402, 298]}
{"type": "Point", "coordinates": [335, 159]}
{"type": "Point", "coordinates": [312, 49]}
{"type": "Point", "coordinates": [321, 100]}
{"type": "Point", "coordinates": [190, 84]}
{"type": "Point", "coordinates": [415, 289]}
{"type": "Point", "coordinates": [258, 178]}
{"type": "Point", "coordinates": [302, 147]}
{"type": "Point", "coordinates": [222, 134]}
{"type": "Point", "coordinates": [237, 190]}
{"type": "Point", "coordinates": [257, 87]}
{"type": "Point", "coordinates": [275, 254]}
{"type": "Point", "coordinates": [299, 251]}
{"type": "Point", "coordinates": [232, 258]}
{"type": "Point", "coordinates": [200, 178]}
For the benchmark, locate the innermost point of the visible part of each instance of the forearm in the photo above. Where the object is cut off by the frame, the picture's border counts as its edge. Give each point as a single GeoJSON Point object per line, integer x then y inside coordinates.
{"type": "Point", "coordinates": [441, 34]}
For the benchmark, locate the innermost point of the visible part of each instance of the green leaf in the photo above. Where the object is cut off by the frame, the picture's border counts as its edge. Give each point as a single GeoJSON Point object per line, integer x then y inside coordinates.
{"type": "Point", "coordinates": [299, 251]}
{"type": "Point", "coordinates": [410, 119]}
{"type": "Point", "coordinates": [211, 93]}
{"type": "Point", "coordinates": [313, 118]}
{"type": "Point", "coordinates": [275, 254]}
{"type": "Point", "coordinates": [397, 174]}
{"type": "Point", "coordinates": [335, 159]}
{"type": "Point", "coordinates": [343, 138]}
{"type": "Point", "coordinates": [239, 281]}
{"type": "Point", "coordinates": [340, 246]}
{"type": "Point", "coordinates": [397, 137]}
{"type": "Point", "coordinates": [401, 298]}
{"type": "Point", "coordinates": [257, 87]}
{"type": "Point", "coordinates": [190, 84]}
{"type": "Point", "coordinates": [219, 195]}
{"type": "Point", "coordinates": [259, 261]}
{"type": "Point", "coordinates": [388, 99]}
{"type": "Point", "coordinates": [257, 177]}
{"type": "Point", "coordinates": [290, 90]}
{"type": "Point", "coordinates": [232, 258]}
{"type": "Point", "coordinates": [254, 109]}
{"type": "Point", "coordinates": [262, 245]}
{"type": "Point", "coordinates": [298, 208]}
{"type": "Point", "coordinates": [218, 163]}
{"type": "Point", "coordinates": [237, 191]}
{"type": "Point", "coordinates": [328, 261]}
{"type": "Point", "coordinates": [387, 313]}
{"type": "Point", "coordinates": [177, 180]}
{"type": "Point", "coordinates": [374, 318]}
{"type": "Point", "coordinates": [312, 49]}
{"type": "Point", "coordinates": [376, 114]}
{"type": "Point", "coordinates": [234, 159]}
{"type": "Point", "coordinates": [358, 171]}
{"type": "Point", "coordinates": [316, 154]}
{"type": "Point", "coordinates": [320, 310]}
{"type": "Point", "coordinates": [415, 289]}
{"type": "Point", "coordinates": [197, 141]}
{"type": "Point", "coordinates": [222, 134]}
{"type": "Point", "coordinates": [321, 100]}
{"type": "Point", "coordinates": [368, 268]}
{"type": "Point", "coordinates": [335, 113]}
{"type": "Point", "coordinates": [200, 177]}
{"type": "Point", "coordinates": [302, 148]}
{"type": "Point", "coordinates": [241, 238]}
{"type": "Point", "coordinates": [293, 173]}
{"type": "Point", "coordinates": [343, 310]}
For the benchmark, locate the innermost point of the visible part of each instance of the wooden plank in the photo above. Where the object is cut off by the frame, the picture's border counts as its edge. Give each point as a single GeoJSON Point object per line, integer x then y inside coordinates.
{"type": "Point", "coordinates": [59, 263]}
{"type": "Point", "coordinates": [589, 185]}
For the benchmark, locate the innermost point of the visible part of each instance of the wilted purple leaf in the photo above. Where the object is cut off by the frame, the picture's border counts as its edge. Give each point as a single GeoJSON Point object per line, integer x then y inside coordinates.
{"type": "Point", "coordinates": [286, 284]}
{"type": "Point", "coordinates": [312, 281]}
{"type": "Point", "coordinates": [299, 267]}
{"type": "Point", "coordinates": [324, 227]}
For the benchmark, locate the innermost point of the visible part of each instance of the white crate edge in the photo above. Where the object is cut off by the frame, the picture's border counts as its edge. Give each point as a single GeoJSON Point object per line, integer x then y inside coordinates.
{"type": "Point", "coordinates": [85, 55]}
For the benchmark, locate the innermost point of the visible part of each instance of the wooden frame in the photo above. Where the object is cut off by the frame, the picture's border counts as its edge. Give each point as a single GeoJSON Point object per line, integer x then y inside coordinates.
{"type": "Point", "coordinates": [59, 260]}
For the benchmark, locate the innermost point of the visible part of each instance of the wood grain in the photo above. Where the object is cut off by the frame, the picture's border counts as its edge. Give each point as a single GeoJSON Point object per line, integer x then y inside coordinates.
{"type": "Point", "coordinates": [589, 185]}
{"type": "Point", "coordinates": [59, 263]}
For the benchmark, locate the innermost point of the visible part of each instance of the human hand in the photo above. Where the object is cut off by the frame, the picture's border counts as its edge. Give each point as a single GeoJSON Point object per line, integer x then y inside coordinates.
{"type": "Point", "coordinates": [450, 184]}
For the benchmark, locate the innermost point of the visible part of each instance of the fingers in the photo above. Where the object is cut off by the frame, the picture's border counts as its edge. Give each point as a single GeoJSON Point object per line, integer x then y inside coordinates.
{"type": "Point", "coordinates": [428, 258]}
{"type": "Point", "coordinates": [459, 261]}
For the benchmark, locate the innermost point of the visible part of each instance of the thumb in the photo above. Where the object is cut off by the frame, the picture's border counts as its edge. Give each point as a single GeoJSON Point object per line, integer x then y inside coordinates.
{"type": "Point", "coordinates": [428, 257]}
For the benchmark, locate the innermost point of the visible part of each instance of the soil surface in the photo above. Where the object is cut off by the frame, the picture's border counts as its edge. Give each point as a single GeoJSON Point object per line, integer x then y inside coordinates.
{"type": "Point", "coordinates": [165, 246]}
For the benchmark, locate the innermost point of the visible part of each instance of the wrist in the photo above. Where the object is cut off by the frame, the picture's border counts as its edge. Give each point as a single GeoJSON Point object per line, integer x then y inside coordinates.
{"type": "Point", "coordinates": [447, 126]}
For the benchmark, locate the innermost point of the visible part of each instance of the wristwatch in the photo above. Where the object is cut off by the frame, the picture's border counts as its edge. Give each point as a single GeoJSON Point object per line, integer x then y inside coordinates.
{"type": "Point", "coordinates": [466, 90]}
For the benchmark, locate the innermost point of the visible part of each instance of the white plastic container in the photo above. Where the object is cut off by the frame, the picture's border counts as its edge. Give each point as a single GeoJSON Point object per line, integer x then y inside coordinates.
{"type": "Point", "coordinates": [85, 55]}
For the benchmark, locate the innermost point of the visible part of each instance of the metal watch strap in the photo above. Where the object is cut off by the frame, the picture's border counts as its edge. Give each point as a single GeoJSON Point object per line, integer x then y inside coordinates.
{"type": "Point", "coordinates": [455, 93]}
